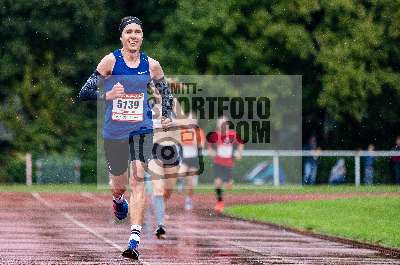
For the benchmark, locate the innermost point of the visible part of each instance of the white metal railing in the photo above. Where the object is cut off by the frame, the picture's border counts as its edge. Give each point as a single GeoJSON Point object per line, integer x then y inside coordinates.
{"type": "Point", "coordinates": [275, 154]}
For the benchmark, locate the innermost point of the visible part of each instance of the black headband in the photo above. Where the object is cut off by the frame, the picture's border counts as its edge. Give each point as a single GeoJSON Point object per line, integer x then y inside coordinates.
{"type": "Point", "coordinates": [128, 20]}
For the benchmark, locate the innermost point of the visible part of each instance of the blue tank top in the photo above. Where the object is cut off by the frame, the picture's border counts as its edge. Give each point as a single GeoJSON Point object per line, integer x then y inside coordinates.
{"type": "Point", "coordinates": [132, 114]}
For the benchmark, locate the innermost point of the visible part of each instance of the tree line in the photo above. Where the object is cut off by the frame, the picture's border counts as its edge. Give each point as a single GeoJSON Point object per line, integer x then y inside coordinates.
{"type": "Point", "coordinates": [347, 52]}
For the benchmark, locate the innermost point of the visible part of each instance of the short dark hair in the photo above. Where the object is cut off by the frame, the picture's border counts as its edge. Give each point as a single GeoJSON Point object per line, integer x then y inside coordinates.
{"type": "Point", "coordinates": [128, 20]}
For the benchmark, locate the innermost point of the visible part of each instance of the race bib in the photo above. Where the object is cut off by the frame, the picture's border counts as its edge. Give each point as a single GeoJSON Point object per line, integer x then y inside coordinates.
{"type": "Point", "coordinates": [225, 151]}
{"type": "Point", "coordinates": [128, 108]}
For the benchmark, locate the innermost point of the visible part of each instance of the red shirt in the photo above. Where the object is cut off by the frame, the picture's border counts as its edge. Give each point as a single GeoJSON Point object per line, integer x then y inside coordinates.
{"type": "Point", "coordinates": [224, 145]}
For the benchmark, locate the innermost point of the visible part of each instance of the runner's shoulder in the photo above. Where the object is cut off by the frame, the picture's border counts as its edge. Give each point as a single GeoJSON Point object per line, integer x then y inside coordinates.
{"type": "Point", "coordinates": [154, 64]}
{"type": "Point", "coordinates": [106, 64]}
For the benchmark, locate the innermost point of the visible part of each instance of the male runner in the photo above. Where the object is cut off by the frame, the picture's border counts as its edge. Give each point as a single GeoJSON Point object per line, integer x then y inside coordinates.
{"type": "Point", "coordinates": [128, 126]}
{"type": "Point", "coordinates": [225, 146]}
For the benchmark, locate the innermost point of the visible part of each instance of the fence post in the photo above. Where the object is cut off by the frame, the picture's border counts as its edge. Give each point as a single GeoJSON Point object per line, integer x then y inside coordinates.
{"type": "Point", "coordinates": [28, 172]}
{"type": "Point", "coordinates": [276, 169]}
{"type": "Point", "coordinates": [357, 169]}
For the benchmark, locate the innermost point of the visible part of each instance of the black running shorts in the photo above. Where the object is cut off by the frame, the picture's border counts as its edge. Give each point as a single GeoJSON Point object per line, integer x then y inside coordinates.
{"type": "Point", "coordinates": [119, 152]}
{"type": "Point", "coordinates": [192, 162]}
{"type": "Point", "coordinates": [225, 173]}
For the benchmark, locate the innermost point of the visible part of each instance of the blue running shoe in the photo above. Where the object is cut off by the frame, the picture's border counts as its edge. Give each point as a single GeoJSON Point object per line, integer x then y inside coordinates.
{"type": "Point", "coordinates": [121, 209]}
{"type": "Point", "coordinates": [131, 252]}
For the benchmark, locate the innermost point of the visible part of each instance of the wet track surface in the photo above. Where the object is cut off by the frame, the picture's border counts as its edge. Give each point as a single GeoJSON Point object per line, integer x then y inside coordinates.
{"type": "Point", "coordinates": [78, 229]}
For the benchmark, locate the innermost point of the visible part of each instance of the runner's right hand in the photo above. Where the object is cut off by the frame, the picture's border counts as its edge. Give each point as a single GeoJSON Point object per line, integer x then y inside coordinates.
{"type": "Point", "coordinates": [117, 91]}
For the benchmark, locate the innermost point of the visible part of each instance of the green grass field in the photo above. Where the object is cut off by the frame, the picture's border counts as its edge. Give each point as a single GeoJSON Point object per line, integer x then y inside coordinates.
{"type": "Point", "coordinates": [368, 219]}
{"type": "Point", "coordinates": [247, 188]}
{"type": "Point", "coordinates": [205, 189]}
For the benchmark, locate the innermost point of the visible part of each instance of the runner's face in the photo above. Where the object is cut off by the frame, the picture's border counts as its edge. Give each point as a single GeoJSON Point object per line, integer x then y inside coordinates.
{"type": "Point", "coordinates": [132, 37]}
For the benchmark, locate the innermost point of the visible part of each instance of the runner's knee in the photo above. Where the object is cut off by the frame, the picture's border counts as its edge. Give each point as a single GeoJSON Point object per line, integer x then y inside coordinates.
{"type": "Point", "coordinates": [117, 192]}
{"type": "Point", "coordinates": [167, 193]}
{"type": "Point", "coordinates": [218, 182]}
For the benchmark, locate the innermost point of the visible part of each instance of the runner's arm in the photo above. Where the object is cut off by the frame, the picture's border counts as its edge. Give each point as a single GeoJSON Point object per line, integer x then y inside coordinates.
{"type": "Point", "coordinates": [89, 90]}
{"type": "Point", "coordinates": [158, 78]}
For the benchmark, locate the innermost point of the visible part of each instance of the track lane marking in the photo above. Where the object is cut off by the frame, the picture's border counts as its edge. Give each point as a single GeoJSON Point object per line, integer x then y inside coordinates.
{"type": "Point", "coordinates": [40, 199]}
{"type": "Point", "coordinates": [270, 255]}
{"type": "Point", "coordinates": [37, 196]}
{"type": "Point", "coordinates": [94, 198]}
{"type": "Point", "coordinates": [90, 230]}
{"type": "Point", "coordinates": [249, 249]}
{"type": "Point", "coordinates": [76, 222]}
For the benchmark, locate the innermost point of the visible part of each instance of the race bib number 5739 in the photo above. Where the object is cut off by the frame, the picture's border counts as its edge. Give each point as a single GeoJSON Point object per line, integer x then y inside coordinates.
{"type": "Point", "coordinates": [128, 108]}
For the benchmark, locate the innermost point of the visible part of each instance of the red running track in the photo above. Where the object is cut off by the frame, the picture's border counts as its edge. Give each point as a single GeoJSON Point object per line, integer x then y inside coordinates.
{"type": "Point", "coordinates": [71, 228]}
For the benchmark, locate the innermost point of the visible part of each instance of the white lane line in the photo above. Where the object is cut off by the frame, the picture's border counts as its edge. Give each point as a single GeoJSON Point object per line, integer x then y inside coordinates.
{"type": "Point", "coordinates": [94, 198]}
{"type": "Point", "coordinates": [76, 222]}
{"type": "Point", "coordinates": [247, 248]}
{"type": "Point", "coordinates": [284, 259]}
{"type": "Point", "coordinates": [82, 225]}
{"type": "Point", "coordinates": [99, 236]}
{"type": "Point", "coordinates": [90, 230]}
{"type": "Point", "coordinates": [40, 199]}
{"type": "Point", "coordinates": [87, 195]}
